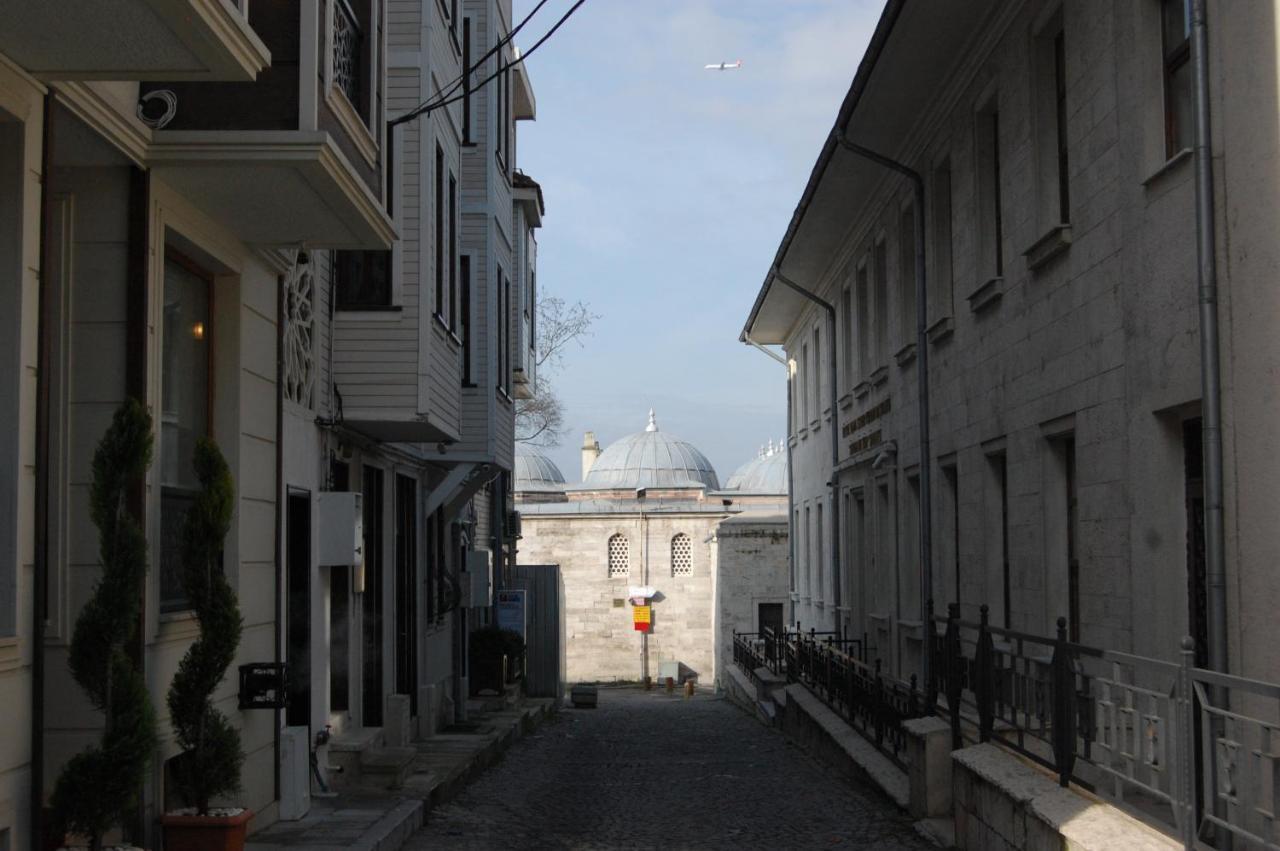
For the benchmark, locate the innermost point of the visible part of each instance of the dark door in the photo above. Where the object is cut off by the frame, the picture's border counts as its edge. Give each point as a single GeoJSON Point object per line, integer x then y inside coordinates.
{"type": "Point", "coordinates": [371, 603]}
{"type": "Point", "coordinates": [1197, 578]}
{"type": "Point", "coordinates": [298, 615]}
{"type": "Point", "coordinates": [771, 617]}
{"type": "Point", "coordinates": [406, 590]}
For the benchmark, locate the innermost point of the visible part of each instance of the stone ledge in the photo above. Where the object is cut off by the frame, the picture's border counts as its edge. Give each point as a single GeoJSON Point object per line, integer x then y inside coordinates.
{"type": "Point", "coordinates": [862, 754]}
{"type": "Point", "coordinates": [1003, 802]}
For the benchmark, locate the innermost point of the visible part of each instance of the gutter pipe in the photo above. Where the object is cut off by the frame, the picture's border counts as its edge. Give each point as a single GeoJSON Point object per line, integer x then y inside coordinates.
{"type": "Point", "coordinates": [1210, 369]}
{"type": "Point", "coordinates": [836, 573]}
{"type": "Point", "coordinates": [791, 532]}
{"type": "Point", "coordinates": [922, 385]}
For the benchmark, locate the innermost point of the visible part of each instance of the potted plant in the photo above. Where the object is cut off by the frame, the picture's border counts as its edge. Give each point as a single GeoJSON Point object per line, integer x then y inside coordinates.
{"type": "Point", "coordinates": [99, 786]}
{"type": "Point", "coordinates": [210, 764]}
{"type": "Point", "coordinates": [494, 656]}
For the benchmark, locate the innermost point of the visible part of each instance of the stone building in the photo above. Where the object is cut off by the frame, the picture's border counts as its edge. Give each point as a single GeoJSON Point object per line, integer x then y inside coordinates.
{"type": "Point", "coordinates": [1061, 326]}
{"type": "Point", "coordinates": [650, 512]}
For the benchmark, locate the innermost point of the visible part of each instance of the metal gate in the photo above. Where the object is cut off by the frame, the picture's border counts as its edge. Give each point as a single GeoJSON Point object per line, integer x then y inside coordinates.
{"type": "Point", "coordinates": [544, 629]}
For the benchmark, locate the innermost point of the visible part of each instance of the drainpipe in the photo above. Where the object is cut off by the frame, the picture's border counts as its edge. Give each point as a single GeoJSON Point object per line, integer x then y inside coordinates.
{"type": "Point", "coordinates": [836, 572]}
{"type": "Point", "coordinates": [1210, 371]}
{"type": "Point", "coordinates": [791, 532]}
{"type": "Point", "coordinates": [922, 383]}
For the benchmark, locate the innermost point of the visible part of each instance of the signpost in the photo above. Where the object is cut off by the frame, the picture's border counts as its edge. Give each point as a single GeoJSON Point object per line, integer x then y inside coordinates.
{"type": "Point", "coordinates": [642, 617]}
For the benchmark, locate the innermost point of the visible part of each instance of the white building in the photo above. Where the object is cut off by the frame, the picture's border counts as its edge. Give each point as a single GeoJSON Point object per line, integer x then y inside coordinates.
{"type": "Point", "coordinates": [650, 511]}
{"type": "Point", "coordinates": [1061, 324]}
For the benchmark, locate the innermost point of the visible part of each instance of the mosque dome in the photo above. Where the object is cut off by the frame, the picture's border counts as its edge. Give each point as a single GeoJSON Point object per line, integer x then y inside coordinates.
{"type": "Point", "coordinates": [764, 474]}
{"type": "Point", "coordinates": [651, 458]}
{"type": "Point", "coordinates": [535, 471]}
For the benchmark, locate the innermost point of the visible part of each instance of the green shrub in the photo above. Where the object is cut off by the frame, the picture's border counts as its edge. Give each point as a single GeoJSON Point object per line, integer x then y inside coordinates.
{"type": "Point", "coordinates": [97, 787]}
{"type": "Point", "coordinates": [211, 765]}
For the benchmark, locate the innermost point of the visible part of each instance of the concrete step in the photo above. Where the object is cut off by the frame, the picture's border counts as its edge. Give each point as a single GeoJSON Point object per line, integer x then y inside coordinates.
{"type": "Point", "coordinates": [387, 768]}
{"type": "Point", "coordinates": [346, 750]}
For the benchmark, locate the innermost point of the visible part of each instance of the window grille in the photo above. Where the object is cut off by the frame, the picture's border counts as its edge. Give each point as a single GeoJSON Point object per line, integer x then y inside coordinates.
{"type": "Point", "coordinates": [347, 59]}
{"type": "Point", "coordinates": [619, 556]}
{"type": "Point", "coordinates": [681, 555]}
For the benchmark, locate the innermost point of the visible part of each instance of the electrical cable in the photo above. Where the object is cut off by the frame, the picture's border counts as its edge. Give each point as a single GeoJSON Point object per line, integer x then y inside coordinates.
{"type": "Point", "coordinates": [502, 42]}
{"type": "Point", "coordinates": [427, 108]}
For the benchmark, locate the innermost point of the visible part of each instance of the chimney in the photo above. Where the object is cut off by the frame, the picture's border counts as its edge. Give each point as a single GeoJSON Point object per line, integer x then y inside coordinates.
{"type": "Point", "coordinates": [590, 452]}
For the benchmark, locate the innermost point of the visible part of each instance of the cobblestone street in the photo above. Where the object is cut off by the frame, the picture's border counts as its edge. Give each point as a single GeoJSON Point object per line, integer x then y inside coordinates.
{"type": "Point", "coordinates": [646, 770]}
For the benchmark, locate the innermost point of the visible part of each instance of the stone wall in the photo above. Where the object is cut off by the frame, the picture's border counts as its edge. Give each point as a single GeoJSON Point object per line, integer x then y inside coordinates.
{"type": "Point", "coordinates": [753, 570]}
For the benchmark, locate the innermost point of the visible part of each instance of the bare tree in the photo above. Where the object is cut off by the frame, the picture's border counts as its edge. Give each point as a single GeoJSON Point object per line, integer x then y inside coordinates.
{"type": "Point", "coordinates": [540, 420]}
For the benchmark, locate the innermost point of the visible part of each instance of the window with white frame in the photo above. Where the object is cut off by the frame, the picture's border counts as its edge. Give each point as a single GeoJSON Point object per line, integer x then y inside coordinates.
{"type": "Point", "coordinates": [619, 555]}
{"type": "Point", "coordinates": [1175, 32]}
{"type": "Point", "coordinates": [681, 555]}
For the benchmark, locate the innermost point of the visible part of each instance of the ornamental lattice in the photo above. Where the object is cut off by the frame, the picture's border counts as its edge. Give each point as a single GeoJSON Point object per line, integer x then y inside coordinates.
{"type": "Point", "coordinates": [681, 555]}
{"type": "Point", "coordinates": [346, 52]}
{"type": "Point", "coordinates": [299, 336]}
{"type": "Point", "coordinates": [619, 556]}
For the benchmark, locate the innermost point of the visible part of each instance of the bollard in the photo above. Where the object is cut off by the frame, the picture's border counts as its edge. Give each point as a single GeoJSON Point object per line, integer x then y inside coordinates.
{"type": "Point", "coordinates": [671, 685]}
{"type": "Point", "coordinates": [688, 689]}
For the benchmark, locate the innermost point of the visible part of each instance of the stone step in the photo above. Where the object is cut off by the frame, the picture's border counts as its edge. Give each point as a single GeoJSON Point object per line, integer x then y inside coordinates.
{"type": "Point", "coordinates": [387, 767]}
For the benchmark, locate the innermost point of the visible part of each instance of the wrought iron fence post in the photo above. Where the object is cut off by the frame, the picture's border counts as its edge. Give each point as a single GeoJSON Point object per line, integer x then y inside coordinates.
{"type": "Point", "coordinates": [935, 661]}
{"type": "Point", "coordinates": [954, 662]}
{"type": "Point", "coordinates": [913, 700]}
{"type": "Point", "coordinates": [984, 675]}
{"type": "Point", "coordinates": [878, 708]}
{"type": "Point", "coordinates": [1188, 758]}
{"type": "Point", "coordinates": [1064, 709]}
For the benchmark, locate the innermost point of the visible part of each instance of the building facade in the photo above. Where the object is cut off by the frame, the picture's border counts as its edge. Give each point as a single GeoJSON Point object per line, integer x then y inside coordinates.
{"type": "Point", "coordinates": [650, 514]}
{"type": "Point", "coordinates": [1061, 327]}
{"type": "Point", "coordinates": [192, 218]}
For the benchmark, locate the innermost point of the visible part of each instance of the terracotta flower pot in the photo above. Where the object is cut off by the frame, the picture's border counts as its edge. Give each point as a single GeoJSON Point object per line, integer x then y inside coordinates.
{"type": "Point", "coordinates": [205, 833]}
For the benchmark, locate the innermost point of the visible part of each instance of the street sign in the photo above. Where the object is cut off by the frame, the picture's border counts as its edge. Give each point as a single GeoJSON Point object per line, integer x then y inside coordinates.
{"type": "Point", "coordinates": [642, 618]}
{"type": "Point", "coordinates": [511, 611]}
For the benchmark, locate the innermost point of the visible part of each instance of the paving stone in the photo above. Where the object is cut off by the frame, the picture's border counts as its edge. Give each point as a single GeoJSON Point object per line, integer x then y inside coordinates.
{"type": "Point", "coordinates": [649, 770]}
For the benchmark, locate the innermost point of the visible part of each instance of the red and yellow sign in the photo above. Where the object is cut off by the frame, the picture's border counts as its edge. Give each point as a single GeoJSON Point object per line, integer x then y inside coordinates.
{"type": "Point", "coordinates": [642, 617]}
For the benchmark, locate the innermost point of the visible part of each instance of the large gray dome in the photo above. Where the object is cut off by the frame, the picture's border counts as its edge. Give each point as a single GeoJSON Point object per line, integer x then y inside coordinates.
{"type": "Point", "coordinates": [764, 474]}
{"type": "Point", "coordinates": [535, 471]}
{"type": "Point", "coordinates": [651, 458]}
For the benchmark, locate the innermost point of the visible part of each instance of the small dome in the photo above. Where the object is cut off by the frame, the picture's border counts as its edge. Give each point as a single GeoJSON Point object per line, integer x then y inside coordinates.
{"type": "Point", "coordinates": [764, 474]}
{"type": "Point", "coordinates": [535, 471]}
{"type": "Point", "coordinates": [651, 458]}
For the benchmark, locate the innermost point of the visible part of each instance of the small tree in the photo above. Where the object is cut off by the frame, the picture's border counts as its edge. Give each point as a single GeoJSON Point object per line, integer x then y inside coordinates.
{"type": "Point", "coordinates": [540, 420]}
{"type": "Point", "coordinates": [98, 786]}
{"type": "Point", "coordinates": [211, 764]}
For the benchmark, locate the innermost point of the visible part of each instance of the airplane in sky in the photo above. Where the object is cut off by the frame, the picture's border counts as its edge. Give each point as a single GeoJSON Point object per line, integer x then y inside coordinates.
{"type": "Point", "coordinates": [724, 66]}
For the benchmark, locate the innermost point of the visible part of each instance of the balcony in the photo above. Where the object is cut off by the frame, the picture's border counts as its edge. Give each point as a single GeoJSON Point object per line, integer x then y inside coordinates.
{"type": "Point", "coordinates": [132, 40]}
{"type": "Point", "coordinates": [294, 156]}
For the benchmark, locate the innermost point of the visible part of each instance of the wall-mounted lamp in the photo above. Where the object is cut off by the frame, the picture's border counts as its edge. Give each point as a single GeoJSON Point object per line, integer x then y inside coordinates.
{"type": "Point", "coordinates": [197, 330]}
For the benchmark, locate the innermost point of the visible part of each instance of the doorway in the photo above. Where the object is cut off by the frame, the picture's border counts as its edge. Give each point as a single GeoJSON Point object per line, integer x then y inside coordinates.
{"type": "Point", "coordinates": [406, 587]}
{"type": "Point", "coordinates": [298, 616]}
{"type": "Point", "coordinates": [770, 617]}
{"type": "Point", "coordinates": [1197, 573]}
{"type": "Point", "coordinates": [371, 602]}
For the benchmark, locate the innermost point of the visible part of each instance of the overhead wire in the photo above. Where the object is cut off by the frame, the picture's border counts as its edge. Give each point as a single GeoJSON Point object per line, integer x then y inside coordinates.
{"type": "Point", "coordinates": [502, 42]}
{"type": "Point", "coordinates": [443, 100]}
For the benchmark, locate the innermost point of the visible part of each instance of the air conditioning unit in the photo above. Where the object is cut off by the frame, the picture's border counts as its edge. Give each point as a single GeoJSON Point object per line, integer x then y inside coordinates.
{"type": "Point", "coordinates": [513, 524]}
{"type": "Point", "coordinates": [340, 523]}
{"type": "Point", "coordinates": [477, 579]}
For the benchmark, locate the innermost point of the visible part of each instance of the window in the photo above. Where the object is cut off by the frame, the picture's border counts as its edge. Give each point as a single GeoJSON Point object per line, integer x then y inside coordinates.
{"type": "Point", "coordinates": [681, 555]}
{"type": "Point", "coordinates": [951, 491]}
{"type": "Point", "coordinates": [990, 212]}
{"type": "Point", "coordinates": [619, 556]}
{"type": "Point", "coordinates": [820, 558]}
{"type": "Point", "coordinates": [500, 83]}
{"type": "Point", "coordinates": [453, 252]}
{"type": "Point", "coordinates": [808, 552]}
{"type": "Point", "coordinates": [846, 335]}
{"type": "Point", "coordinates": [907, 276]}
{"type": "Point", "coordinates": [501, 324]}
{"type": "Point", "coordinates": [439, 214]}
{"type": "Point", "coordinates": [1175, 40]}
{"type": "Point", "coordinates": [506, 332]}
{"type": "Point", "coordinates": [998, 528]}
{"type": "Point", "coordinates": [1053, 200]}
{"type": "Point", "coordinates": [863, 307]}
{"type": "Point", "coordinates": [185, 412]}
{"type": "Point", "coordinates": [880, 274]}
{"type": "Point", "coordinates": [941, 280]}
{"type": "Point", "coordinates": [464, 272]}
{"type": "Point", "coordinates": [816, 372]}
{"type": "Point", "coordinates": [803, 378]}
{"type": "Point", "coordinates": [466, 88]}
{"type": "Point", "coordinates": [362, 280]}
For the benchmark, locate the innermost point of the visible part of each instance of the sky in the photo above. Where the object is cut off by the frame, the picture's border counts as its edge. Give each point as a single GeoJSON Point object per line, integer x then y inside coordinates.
{"type": "Point", "coordinates": [668, 189]}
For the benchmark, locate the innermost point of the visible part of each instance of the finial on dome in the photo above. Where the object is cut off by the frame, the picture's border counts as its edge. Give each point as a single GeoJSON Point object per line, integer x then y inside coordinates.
{"type": "Point", "coordinates": [770, 450]}
{"type": "Point", "coordinates": [653, 422]}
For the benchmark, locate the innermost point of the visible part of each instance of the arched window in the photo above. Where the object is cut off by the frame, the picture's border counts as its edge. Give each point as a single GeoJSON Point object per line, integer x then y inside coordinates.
{"type": "Point", "coordinates": [619, 556]}
{"type": "Point", "coordinates": [681, 555]}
